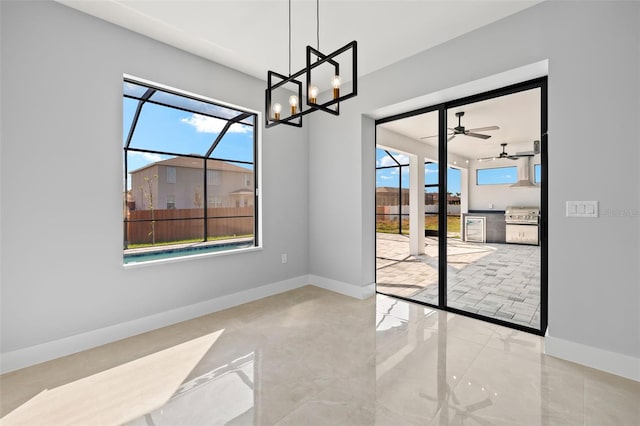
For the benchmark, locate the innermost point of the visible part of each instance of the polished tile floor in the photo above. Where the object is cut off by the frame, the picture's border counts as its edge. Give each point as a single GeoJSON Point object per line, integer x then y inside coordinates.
{"type": "Point", "coordinates": [494, 280]}
{"type": "Point", "coordinates": [313, 357]}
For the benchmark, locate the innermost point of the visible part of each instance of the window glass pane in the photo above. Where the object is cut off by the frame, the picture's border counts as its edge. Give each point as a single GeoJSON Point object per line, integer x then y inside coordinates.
{"type": "Point", "coordinates": [384, 160]}
{"type": "Point", "coordinates": [230, 201]}
{"type": "Point", "coordinates": [128, 112]}
{"type": "Point", "coordinates": [431, 173]}
{"type": "Point", "coordinates": [198, 107]}
{"type": "Point", "coordinates": [497, 176]}
{"type": "Point", "coordinates": [171, 131]}
{"type": "Point", "coordinates": [133, 89]}
{"type": "Point", "coordinates": [537, 173]}
{"type": "Point", "coordinates": [237, 144]}
{"type": "Point", "coordinates": [388, 177]}
{"type": "Point", "coordinates": [454, 181]}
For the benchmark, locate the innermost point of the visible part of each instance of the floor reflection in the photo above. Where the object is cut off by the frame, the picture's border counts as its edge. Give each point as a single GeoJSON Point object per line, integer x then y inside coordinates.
{"type": "Point", "coordinates": [230, 388]}
{"type": "Point", "coordinates": [118, 394]}
{"type": "Point", "coordinates": [314, 357]}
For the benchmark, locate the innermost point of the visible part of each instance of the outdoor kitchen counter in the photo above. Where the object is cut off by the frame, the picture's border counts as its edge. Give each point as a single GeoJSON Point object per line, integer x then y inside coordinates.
{"type": "Point", "coordinates": [494, 223]}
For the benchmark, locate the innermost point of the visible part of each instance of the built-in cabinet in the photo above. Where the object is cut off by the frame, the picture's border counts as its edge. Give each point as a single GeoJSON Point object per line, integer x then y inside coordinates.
{"type": "Point", "coordinates": [522, 234]}
{"type": "Point", "coordinates": [495, 225]}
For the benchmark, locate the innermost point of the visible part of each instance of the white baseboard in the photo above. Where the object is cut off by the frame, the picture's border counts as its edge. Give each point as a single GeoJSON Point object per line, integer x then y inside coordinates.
{"type": "Point", "coordinates": [358, 292]}
{"type": "Point", "coordinates": [611, 362]}
{"type": "Point", "coordinates": [14, 360]}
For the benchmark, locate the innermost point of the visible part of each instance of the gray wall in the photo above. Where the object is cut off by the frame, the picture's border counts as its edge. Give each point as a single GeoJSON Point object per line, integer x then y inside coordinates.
{"type": "Point", "coordinates": [61, 181]}
{"type": "Point", "coordinates": [592, 49]}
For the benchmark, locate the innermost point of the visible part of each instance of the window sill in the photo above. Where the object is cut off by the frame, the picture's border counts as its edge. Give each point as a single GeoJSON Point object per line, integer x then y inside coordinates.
{"type": "Point", "coordinates": [135, 265]}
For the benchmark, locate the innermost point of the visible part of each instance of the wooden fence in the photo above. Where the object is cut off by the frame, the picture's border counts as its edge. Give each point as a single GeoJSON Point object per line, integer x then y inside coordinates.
{"type": "Point", "coordinates": [183, 224]}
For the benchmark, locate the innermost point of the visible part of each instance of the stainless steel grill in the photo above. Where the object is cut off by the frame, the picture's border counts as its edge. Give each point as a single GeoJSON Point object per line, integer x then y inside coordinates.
{"type": "Point", "coordinates": [522, 215]}
{"type": "Point", "coordinates": [522, 225]}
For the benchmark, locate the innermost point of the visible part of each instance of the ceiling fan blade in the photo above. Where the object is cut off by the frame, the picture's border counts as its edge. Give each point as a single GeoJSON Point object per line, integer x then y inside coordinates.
{"type": "Point", "coordinates": [522, 155]}
{"type": "Point", "coordinates": [435, 136]}
{"type": "Point", "coordinates": [484, 129]}
{"type": "Point", "coordinates": [449, 140]}
{"type": "Point", "coordinates": [513, 157]}
{"type": "Point", "coordinates": [477, 135]}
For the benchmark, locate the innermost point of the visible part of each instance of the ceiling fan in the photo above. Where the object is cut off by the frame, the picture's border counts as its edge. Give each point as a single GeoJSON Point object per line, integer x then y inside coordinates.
{"type": "Point", "coordinates": [504, 154]}
{"type": "Point", "coordinates": [461, 130]}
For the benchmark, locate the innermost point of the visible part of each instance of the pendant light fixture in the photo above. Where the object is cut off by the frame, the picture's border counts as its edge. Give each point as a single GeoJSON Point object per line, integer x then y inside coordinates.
{"type": "Point", "coordinates": [299, 104]}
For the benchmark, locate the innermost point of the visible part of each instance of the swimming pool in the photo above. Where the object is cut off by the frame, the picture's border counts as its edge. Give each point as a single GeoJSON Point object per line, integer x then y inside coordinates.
{"type": "Point", "coordinates": [169, 253]}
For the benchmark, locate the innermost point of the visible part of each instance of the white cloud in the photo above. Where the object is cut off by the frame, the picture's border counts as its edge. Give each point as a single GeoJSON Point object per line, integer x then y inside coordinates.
{"type": "Point", "coordinates": [388, 161]}
{"type": "Point", "coordinates": [204, 124]}
{"type": "Point", "coordinates": [386, 177]}
{"type": "Point", "coordinates": [147, 156]}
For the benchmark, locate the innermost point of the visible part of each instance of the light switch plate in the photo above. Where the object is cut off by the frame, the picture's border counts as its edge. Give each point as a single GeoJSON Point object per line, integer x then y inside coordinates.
{"type": "Point", "coordinates": [582, 209]}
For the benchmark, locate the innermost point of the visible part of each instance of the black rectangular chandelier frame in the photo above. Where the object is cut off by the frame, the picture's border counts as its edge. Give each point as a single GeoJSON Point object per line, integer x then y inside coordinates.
{"type": "Point", "coordinates": [320, 58]}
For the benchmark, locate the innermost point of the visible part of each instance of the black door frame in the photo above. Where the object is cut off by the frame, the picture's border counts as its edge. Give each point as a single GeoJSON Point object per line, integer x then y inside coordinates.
{"type": "Point", "coordinates": [442, 108]}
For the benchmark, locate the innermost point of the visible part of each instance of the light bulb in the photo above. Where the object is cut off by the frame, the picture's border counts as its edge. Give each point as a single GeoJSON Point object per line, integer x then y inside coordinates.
{"type": "Point", "coordinates": [293, 101]}
{"type": "Point", "coordinates": [276, 110]}
{"type": "Point", "coordinates": [313, 94]}
{"type": "Point", "coordinates": [336, 81]}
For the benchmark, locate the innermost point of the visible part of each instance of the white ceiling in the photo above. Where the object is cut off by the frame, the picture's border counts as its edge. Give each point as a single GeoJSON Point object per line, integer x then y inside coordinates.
{"type": "Point", "coordinates": [517, 115]}
{"type": "Point", "coordinates": [252, 36]}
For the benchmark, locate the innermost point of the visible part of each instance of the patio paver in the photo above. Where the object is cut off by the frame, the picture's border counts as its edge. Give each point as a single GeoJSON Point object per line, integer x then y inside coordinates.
{"type": "Point", "coordinates": [496, 280]}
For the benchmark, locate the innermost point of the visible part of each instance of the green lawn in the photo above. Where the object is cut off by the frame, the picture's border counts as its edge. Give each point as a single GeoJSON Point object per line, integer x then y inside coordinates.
{"type": "Point", "coordinates": [430, 223]}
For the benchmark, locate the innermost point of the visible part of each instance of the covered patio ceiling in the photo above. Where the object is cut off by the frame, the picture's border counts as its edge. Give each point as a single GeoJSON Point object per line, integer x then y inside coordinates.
{"type": "Point", "coordinates": [517, 115]}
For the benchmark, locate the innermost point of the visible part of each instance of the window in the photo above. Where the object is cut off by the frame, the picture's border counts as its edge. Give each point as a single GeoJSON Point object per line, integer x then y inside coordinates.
{"type": "Point", "coordinates": [214, 177]}
{"type": "Point", "coordinates": [171, 202]}
{"type": "Point", "coordinates": [201, 141]}
{"type": "Point", "coordinates": [171, 175]}
{"type": "Point", "coordinates": [215, 202]}
{"type": "Point", "coordinates": [497, 176]}
{"type": "Point", "coordinates": [537, 173]}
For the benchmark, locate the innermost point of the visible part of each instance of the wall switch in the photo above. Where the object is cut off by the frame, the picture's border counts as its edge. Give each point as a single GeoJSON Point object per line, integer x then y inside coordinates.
{"type": "Point", "coordinates": [284, 257]}
{"type": "Point", "coordinates": [582, 209]}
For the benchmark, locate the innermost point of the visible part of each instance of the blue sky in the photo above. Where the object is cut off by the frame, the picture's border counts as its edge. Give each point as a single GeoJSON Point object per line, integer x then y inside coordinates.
{"type": "Point", "coordinates": [390, 177]}
{"type": "Point", "coordinates": [168, 129]}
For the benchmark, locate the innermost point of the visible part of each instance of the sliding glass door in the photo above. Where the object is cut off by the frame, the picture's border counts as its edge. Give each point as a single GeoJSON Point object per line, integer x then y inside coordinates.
{"type": "Point", "coordinates": [407, 212]}
{"type": "Point", "coordinates": [480, 206]}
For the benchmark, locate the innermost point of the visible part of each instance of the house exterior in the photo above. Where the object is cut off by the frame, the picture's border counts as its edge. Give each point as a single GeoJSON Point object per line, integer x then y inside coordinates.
{"type": "Point", "coordinates": [178, 183]}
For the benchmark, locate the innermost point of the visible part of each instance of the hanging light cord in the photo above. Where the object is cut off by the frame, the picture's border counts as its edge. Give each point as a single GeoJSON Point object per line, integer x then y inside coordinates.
{"type": "Point", "coordinates": [289, 38]}
{"type": "Point", "coordinates": [318, 24]}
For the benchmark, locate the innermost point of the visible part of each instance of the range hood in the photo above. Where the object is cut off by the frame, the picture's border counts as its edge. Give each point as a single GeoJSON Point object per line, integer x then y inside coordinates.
{"type": "Point", "coordinates": [524, 172]}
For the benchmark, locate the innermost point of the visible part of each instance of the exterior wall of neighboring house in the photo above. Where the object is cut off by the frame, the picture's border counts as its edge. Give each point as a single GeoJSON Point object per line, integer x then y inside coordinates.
{"type": "Point", "coordinates": [140, 188]}
{"type": "Point", "coordinates": [178, 187]}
